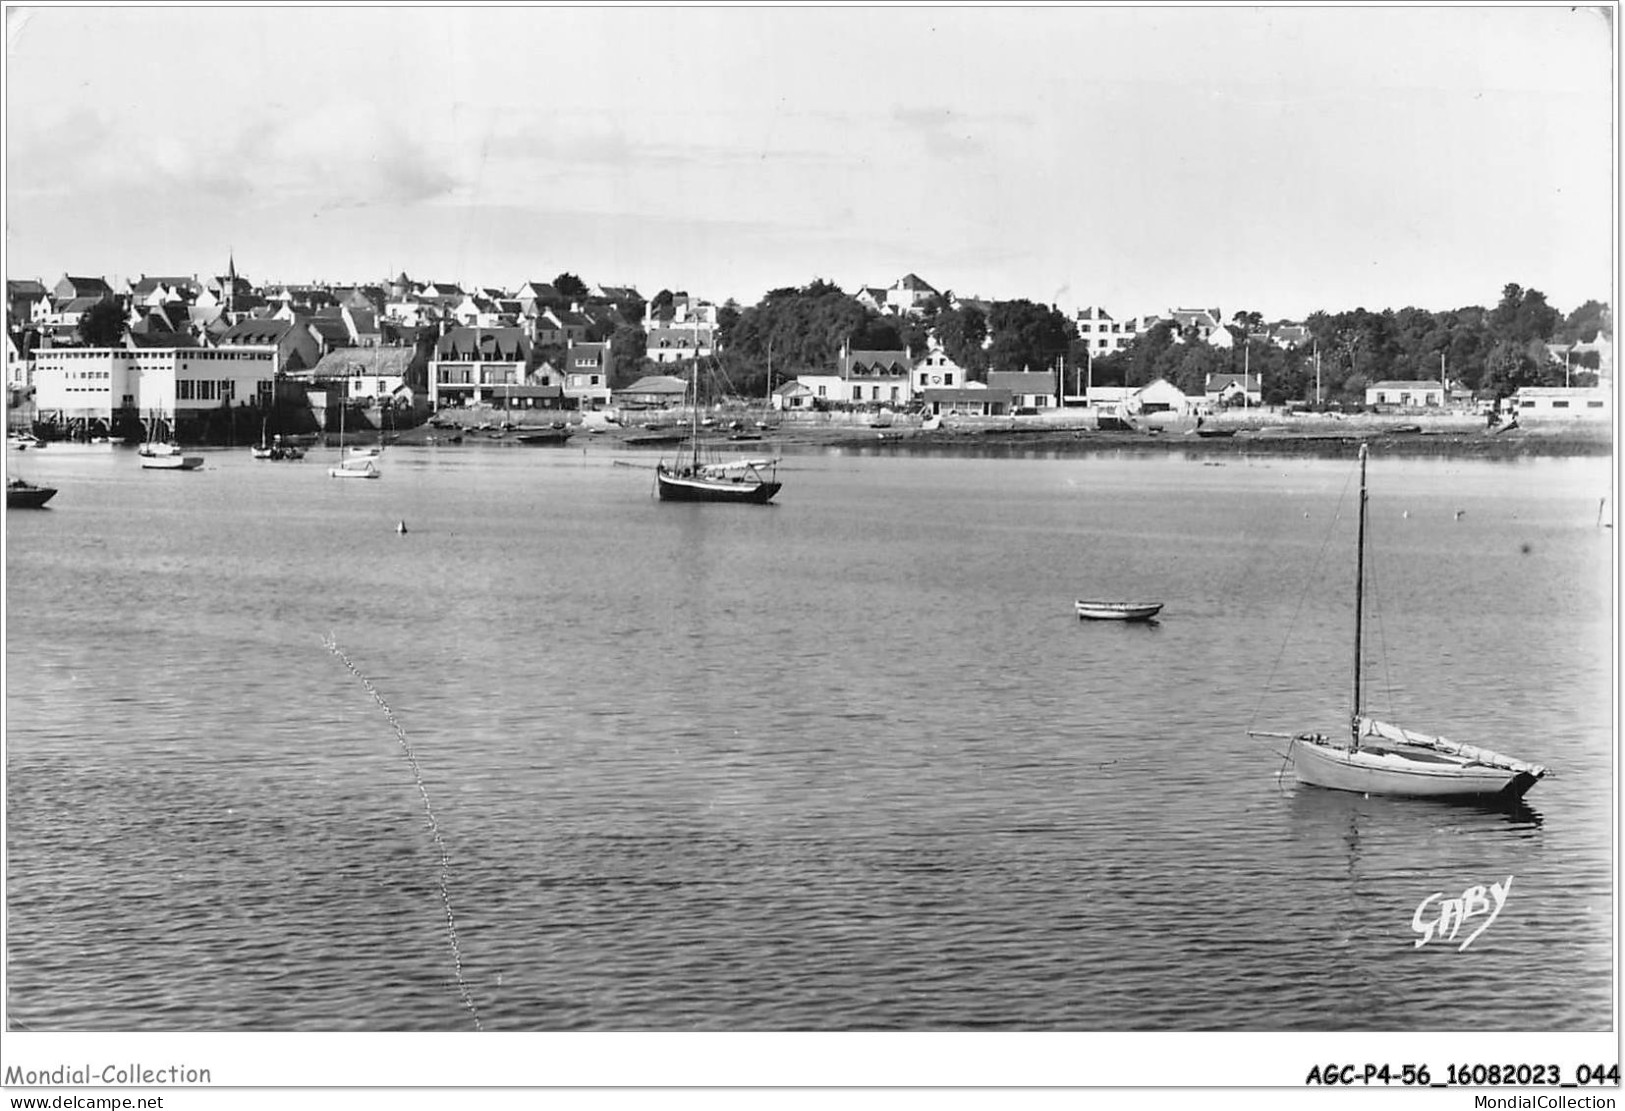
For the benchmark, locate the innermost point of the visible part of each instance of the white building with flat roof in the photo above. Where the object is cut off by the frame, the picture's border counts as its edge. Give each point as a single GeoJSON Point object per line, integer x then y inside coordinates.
{"type": "Point", "coordinates": [95, 382]}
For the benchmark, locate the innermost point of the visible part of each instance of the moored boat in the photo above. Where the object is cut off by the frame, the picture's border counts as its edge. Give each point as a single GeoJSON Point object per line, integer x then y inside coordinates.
{"type": "Point", "coordinates": [745, 481]}
{"type": "Point", "coordinates": [1096, 610]}
{"type": "Point", "coordinates": [21, 494]}
{"type": "Point", "coordinates": [158, 456]}
{"type": "Point", "coordinates": [1378, 758]}
{"type": "Point", "coordinates": [361, 466]}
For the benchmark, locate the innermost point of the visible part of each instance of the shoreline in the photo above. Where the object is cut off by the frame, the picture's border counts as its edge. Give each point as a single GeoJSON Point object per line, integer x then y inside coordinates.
{"type": "Point", "coordinates": [1331, 438]}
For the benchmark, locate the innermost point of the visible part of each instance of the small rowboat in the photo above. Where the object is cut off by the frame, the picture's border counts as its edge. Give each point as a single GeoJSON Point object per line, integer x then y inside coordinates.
{"type": "Point", "coordinates": [1117, 611]}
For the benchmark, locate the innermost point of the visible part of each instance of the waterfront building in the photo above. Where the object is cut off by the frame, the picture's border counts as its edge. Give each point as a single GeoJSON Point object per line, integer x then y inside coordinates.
{"type": "Point", "coordinates": [99, 384]}
{"type": "Point", "coordinates": [1032, 389]}
{"type": "Point", "coordinates": [1406, 395]}
{"type": "Point", "coordinates": [477, 366]}
{"type": "Point", "coordinates": [655, 391]}
{"type": "Point", "coordinates": [1563, 403]}
{"type": "Point", "coordinates": [875, 377]}
{"type": "Point", "coordinates": [935, 368]}
{"type": "Point", "coordinates": [587, 369]}
{"type": "Point", "coordinates": [1231, 389]}
{"type": "Point", "coordinates": [972, 400]}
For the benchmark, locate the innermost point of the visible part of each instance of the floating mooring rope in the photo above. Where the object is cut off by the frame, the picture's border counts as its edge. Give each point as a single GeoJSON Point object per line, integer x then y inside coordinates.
{"type": "Point", "coordinates": [332, 644]}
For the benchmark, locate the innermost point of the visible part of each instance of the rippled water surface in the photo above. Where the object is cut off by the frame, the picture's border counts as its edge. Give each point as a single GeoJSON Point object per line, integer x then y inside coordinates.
{"type": "Point", "coordinates": [844, 762]}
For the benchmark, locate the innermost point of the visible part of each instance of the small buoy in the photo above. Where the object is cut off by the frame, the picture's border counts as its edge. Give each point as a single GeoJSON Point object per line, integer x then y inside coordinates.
{"type": "Point", "coordinates": [1305, 514]}
{"type": "Point", "coordinates": [1460, 513]}
{"type": "Point", "coordinates": [401, 528]}
{"type": "Point", "coordinates": [1406, 514]}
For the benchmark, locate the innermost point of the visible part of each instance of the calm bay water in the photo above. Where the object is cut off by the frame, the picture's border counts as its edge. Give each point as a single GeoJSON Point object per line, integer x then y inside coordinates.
{"type": "Point", "coordinates": [845, 762]}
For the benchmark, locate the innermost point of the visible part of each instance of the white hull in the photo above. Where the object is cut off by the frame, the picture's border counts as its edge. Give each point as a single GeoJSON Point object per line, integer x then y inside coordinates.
{"type": "Point", "coordinates": [1395, 762]}
{"type": "Point", "coordinates": [1117, 611]}
{"type": "Point", "coordinates": [171, 462]}
{"type": "Point", "coordinates": [363, 468]}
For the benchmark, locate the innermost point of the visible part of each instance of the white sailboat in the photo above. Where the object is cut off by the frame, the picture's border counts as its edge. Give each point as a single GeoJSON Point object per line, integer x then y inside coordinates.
{"type": "Point", "coordinates": [356, 466]}
{"type": "Point", "coordinates": [1379, 758]}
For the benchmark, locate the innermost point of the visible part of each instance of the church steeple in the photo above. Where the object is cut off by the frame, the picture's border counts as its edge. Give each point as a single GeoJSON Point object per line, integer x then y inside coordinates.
{"type": "Point", "coordinates": [231, 280]}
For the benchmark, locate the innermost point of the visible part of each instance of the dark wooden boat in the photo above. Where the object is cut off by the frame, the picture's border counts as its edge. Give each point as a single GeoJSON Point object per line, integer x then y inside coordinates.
{"type": "Point", "coordinates": [25, 495]}
{"type": "Point", "coordinates": [657, 439]}
{"type": "Point", "coordinates": [552, 437]}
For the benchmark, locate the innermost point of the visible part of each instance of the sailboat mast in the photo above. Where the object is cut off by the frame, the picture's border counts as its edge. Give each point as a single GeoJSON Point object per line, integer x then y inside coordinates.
{"type": "Point", "coordinates": [1359, 601]}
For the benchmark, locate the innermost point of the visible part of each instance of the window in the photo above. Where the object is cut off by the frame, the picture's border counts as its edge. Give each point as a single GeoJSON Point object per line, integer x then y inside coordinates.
{"type": "Point", "coordinates": [1560, 404]}
{"type": "Point", "coordinates": [1593, 405]}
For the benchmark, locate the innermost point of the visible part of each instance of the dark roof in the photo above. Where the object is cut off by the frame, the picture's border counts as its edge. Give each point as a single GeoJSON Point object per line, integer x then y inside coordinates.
{"type": "Point", "coordinates": [256, 332]}
{"type": "Point", "coordinates": [502, 344]}
{"type": "Point", "coordinates": [27, 287]}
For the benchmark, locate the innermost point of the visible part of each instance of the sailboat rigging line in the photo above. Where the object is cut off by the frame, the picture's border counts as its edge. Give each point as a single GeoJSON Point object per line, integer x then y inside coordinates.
{"type": "Point", "coordinates": [1308, 584]}
{"type": "Point", "coordinates": [331, 643]}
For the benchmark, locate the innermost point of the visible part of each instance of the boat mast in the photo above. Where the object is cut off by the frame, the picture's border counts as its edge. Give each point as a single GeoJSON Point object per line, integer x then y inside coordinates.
{"type": "Point", "coordinates": [1359, 601]}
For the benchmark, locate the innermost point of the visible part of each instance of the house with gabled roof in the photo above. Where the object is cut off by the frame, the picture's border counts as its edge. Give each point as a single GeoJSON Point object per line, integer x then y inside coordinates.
{"type": "Point", "coordinates": [654, 391]}
{"type": "Point", "coordinates": [1206, 324]}
{"type": "Point", "coordinates": [297, 347]}
{"type": "Point", "coordinates": [935, 368]}
{"type": "Point", "coordinates": [363, 325]}
{"type": "Point", "coordinates": [542, 293]}
{"type": "Point", "coordinates": [970, 400]}
{"type": "Point", "coordinates": [1231, 389]}
{"type": "Point", "coordinates": [670, 344]}
{"type": "Point", "coordinates": [875, 377]}
{"type": "Point", "coordinates": [1406, 395]}
{"type": "Point", "coordinates": [871, 297]}
{"type": "Point", "coordinates": [1288, 336]}
{"type": "Point", "coordinates": [1101, 333]}
{"type": "Point", "coordinates": [909, 294]}
{"type": "Point", "coordinates": [72, 288]}
{"type": "Point", "coordinates": [1029, 389]}
{"type": "Point", "coordinates": [571, 322]}
{"type": "Point", "coordinates": [587, 371]}
{"type": "Point", "coordinates": [27, 301]}
{"type": "Point", "coordinates": [478, 366]}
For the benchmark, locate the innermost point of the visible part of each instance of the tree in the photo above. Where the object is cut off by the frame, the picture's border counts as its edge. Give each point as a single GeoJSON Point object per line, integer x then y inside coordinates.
{"type": "Point", "coordinates": [570, 287]}
{"type": "Point", "coordinates": [660, 308]}
{"type": "Point", "coordinates": [630, 345]}
{"type": "Point", "coordinates": [102, 325]}
{"type": "Point", "coordinates": [1027, 336]}
{"type": "Point", "coordinates": [962, 333]}
{"type": "Point", "coordinates": [1523, 315]}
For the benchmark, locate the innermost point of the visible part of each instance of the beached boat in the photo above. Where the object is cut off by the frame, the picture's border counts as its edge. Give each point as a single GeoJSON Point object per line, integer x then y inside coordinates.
{"type": "Point", "coordinates": [21, 494]}
{"type": "Point", "coordinates": [22, 441]}
{"type": "Point", "coordinates": [1094, 610]}
{"type": "Point", "coordinates": [1378, 758]}
{"type": "Point", "coordinates": [692, 477]}
{"type": "Point", "coordinates": [551, 437]}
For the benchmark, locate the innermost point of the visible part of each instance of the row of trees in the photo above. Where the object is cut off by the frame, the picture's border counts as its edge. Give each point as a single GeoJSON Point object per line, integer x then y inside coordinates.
{"type": "Point", "coordinates": [1491, 351]}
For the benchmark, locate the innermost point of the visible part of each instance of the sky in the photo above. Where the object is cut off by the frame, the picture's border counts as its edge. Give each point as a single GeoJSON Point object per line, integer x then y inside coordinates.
{"type": "Point", "coordinates": [1139, 158]}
